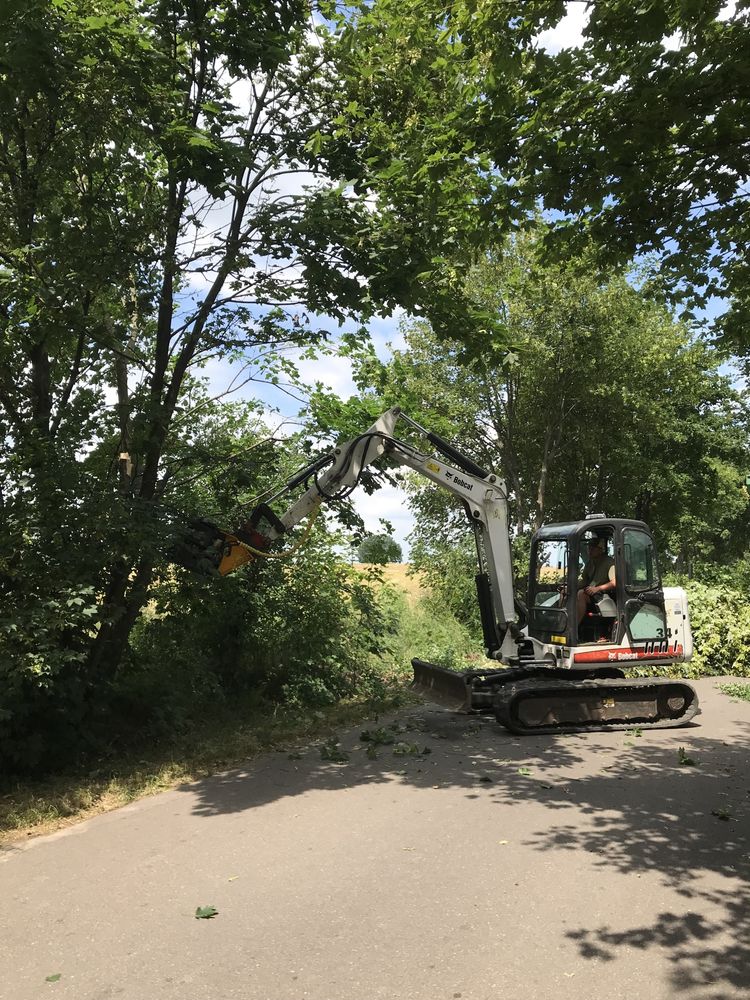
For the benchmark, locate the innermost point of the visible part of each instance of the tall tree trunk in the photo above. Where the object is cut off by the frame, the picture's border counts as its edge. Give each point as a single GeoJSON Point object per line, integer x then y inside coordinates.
{"type": "Point", "coordinates": [600, 486]}
{"type": "Point", "coordinates": [123, 600]}
{"type": "Point", "coordinates": [643, 506]}
{"type": "Point", "coordinates": [41, 393]}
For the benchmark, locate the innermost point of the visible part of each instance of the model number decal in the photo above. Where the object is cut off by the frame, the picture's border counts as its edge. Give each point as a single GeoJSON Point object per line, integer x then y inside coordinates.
{"type": "Point", "coordinates": [656, 646]}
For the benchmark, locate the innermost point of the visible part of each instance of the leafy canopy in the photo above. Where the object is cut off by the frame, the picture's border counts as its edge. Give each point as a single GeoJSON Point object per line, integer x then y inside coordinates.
{"type": "Point", "coordinates": [639, 140]}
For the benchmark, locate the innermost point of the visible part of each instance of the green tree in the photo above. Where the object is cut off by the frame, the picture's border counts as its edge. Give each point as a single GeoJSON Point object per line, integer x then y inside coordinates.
{"type": "Point", "coordinates": [639, 140]}
{"type": "Point", "coordinates": [379, 549]}
{"type": "Point", "coordinates": [152, 165]}
{"type": "Point", "coordinates": [181, 184]}
{"type": "Point", "coordinates": [607, 405]}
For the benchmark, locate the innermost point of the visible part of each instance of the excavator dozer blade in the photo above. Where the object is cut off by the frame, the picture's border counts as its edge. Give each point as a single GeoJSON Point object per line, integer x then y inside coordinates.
{"type": "Point", "coordinates": [443, 686]}
{"type": "Point", "coordinates": [558, 706]}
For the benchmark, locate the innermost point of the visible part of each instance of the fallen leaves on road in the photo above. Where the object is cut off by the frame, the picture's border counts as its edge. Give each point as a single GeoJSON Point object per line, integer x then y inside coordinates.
{"type": "Point", "coordinates": [402, 748]}
{"type": "Point", "coordinates": [378, 737]}
{"type": "Point", "coordinates": [332, 752]}
{"type": "Point", "coordinates": [205, 912]}
{"type": "Point", "coordinates": [683, 759]}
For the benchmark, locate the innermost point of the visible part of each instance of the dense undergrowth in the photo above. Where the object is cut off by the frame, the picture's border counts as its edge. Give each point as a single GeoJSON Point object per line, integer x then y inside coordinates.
{"type": "Point", "coordinates": [217, 672]}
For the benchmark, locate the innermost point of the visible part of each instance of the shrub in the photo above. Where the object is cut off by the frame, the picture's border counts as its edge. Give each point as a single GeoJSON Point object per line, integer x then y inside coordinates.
{"type": "Point", "coordinates": [301, 634]}
{"type": "Point", "coordinates": [720, 621]}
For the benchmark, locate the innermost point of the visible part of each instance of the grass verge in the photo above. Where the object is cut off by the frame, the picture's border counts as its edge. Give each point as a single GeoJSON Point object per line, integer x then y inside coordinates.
{"type": "Point", "coordinates": [32, 808]}
{"type": "Point", "coordinates": [741, 691]}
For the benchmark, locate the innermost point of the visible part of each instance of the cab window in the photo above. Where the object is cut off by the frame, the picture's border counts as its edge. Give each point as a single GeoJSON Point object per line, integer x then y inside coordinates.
{"type": "Point", "coordinates": [641, 571]}
{"type": "Point", "coordinates": [551, 571]}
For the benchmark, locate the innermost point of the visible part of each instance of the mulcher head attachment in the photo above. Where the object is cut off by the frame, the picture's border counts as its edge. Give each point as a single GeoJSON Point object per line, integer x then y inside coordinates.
{"type": "Point", "coordinates": [205, 548]}
{"type": "Point", "coordinates": [199, 547]}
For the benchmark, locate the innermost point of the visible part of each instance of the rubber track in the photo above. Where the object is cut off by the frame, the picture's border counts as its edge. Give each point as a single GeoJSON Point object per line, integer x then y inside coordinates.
{"type": "Point", "coordinates": [507, 699]}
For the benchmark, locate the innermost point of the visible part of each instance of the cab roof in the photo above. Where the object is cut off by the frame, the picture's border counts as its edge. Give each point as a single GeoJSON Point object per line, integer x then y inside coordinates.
{"type": "Point", "coordinates": [567, 529]}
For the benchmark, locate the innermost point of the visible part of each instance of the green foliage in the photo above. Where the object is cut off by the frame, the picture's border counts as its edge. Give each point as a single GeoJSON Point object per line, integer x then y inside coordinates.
{"type": "Point", "coordinates": [379, 549]}
{"type": "Point", "coordinates": [607, 404]}
{"type": "Point", "coordinates": [331, 751]}
{"type": "Point", "coordinates": [720, 622]}
{"type": "Point", "coordinates": [684, 759]}
{"type": "Point", "coordinates": [301, 634]}
{"type": "Point", "coordinates": [449, 570]}
{"type": "Point", "coordinates": [639, 139]}
{"type": "Point", "coordinates": [184, 123]}
{"type": "Point", "coordinates": [378, 737]}
{"type": "Point", "coordinates": [741, 691]}
{"type": "Point", "coordinates": [432, 631]}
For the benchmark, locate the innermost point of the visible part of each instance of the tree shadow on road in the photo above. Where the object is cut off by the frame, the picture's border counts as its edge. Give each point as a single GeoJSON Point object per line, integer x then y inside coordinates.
{"type": "Point", "coordinates": [634, 805]}
{"type": "Point", "coordinates": [690, 826]}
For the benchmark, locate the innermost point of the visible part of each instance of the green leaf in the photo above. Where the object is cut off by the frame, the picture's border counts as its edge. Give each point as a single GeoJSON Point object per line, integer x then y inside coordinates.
{"type": "Point", "coordinates": [201, 141]}
{"type": "Point", "coordinates": [54, 978]}
{"type": "Point", "coordinates": [683, 759]}
{"type": "Point", "coordinates": [96, 21]}
{"type": "Point", "coordinates": [205, 912]}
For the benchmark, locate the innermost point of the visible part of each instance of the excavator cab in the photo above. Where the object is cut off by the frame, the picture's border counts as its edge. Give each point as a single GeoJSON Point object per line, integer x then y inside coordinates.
{"type": "Point", "coordinates": [564, 557]}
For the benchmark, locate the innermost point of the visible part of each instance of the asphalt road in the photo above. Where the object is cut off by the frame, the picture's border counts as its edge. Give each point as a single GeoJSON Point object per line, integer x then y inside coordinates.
{"type": "Point", "coordinates": [492, 867]}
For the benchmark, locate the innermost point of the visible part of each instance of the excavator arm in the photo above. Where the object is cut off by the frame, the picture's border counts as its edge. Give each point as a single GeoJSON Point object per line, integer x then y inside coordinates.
{"type": "Point", "coordinates": [333, 476]}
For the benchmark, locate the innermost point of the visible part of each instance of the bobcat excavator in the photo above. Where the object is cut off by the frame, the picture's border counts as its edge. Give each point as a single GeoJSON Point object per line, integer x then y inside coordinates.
{"type": "Point", "coordinates": [558, 660]}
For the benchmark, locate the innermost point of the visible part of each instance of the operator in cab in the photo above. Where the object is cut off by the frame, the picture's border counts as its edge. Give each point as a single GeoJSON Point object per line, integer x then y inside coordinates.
{"type": "Point", "coordinates": [598, 576]}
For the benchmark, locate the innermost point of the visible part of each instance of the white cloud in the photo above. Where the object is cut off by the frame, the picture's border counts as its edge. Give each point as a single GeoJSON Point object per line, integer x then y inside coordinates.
{"type": "Point", "coordinates": [333, 372]}
{"type": "Point", "coordinates": [568, 33]}
{"type": "Point", "coordinates": [386, 334]}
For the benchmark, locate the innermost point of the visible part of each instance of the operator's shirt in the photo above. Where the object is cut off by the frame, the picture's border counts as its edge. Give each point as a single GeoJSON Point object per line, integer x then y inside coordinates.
{"type": "Point", "coordinates": [598, 571]}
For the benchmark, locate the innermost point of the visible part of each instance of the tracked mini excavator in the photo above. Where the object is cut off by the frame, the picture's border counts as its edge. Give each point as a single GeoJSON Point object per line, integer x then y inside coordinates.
{"type": "Point", "coordinates": [558, 659]}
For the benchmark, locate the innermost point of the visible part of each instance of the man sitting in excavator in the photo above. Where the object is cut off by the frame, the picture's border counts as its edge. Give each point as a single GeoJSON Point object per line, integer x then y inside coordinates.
{"type": "Point", "coordinates": [598, 576]}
